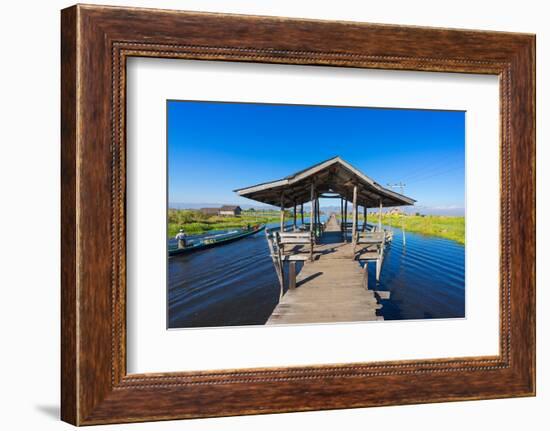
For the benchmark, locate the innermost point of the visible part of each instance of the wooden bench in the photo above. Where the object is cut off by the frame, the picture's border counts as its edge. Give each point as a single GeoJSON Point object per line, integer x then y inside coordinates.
{"type": "Point", "coordinates": [370, 237]}
{"type": "Point", "coordinates": [295, 238]}
{"type": "Point", "coordinates": [370, 240]}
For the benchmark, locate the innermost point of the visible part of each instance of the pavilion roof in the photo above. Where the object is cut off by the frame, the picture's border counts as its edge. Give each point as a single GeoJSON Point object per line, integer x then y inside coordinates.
{"type": "Point", "coordinates": [334, 175]}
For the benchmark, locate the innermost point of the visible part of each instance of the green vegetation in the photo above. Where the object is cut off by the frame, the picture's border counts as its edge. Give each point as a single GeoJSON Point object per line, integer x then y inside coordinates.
{"type": "Point", "coordinates": [442, 226]}
{"type": "Point", "coordinates": [195, 222]}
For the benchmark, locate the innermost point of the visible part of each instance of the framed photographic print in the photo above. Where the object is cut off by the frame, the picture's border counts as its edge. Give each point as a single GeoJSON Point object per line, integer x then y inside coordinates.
{"type": "Point", "coordinates": [268, 215]}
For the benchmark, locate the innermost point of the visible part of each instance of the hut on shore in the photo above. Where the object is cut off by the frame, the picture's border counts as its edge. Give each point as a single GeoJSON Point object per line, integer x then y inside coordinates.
{"type": "Point", "coordinates": [230, 210]}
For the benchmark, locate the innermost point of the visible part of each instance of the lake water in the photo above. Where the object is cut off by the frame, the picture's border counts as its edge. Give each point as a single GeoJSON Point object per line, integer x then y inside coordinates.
{"type": "Point", "coordinates": [236, 284]}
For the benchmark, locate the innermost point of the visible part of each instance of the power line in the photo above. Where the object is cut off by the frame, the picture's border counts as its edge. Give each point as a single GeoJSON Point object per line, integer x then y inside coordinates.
{"type": "Point", "coordinates": [435, 173]}
{"type": "Point", "coordinates": [401, 186]}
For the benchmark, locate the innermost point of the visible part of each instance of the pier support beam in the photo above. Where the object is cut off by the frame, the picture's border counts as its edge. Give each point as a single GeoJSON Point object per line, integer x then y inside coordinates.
{"type": "Point", "coordinates": [318, 218]}
{"type": "Point", "coordinates": [341, 212]}
{"type": "Point", "coordinates": [311, 218]}
{"type": "Point", "coordinates": [282, 211]}
{"type": "Point", "coordinates": [345, 221]}
{"type": "Point", "coordinates": [380, 217]}
{"type": "Point", "coordinates": [364, 218]}
{"type": "Point", "coordinates": [294, 221]}
{"type": "Point", "coordinates": [302, 212]}
{"type": "Point", "coordinates": [354, 215]}
{"type": "Point", "coordinates": [292, 275]}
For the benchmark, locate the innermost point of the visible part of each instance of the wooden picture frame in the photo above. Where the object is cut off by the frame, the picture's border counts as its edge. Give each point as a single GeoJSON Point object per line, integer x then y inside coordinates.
{"type": "Point", "coordinates": [95, 42]}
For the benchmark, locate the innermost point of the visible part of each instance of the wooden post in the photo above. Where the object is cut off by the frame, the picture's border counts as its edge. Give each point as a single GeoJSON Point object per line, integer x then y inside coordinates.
{"type": "Point", "coordinates": [276, 258]}
{"type": "Point", "coordinates": [302, 212]}
{"type": "Point", "coordinates": [354, 215]}
{"type": "Point", "coordinates": [380, 217]}
{"type": "Point", "coordinates": [345, 220]}
{"type": "Point", "coordinates": [364, 218]}
{"type": "Point", "coordinates": [366, 275]}
{"type": "Point", "coordinates": [312, 195]}
{"type": "Point", "coordinates": [341, 212]}
{"type": "Point", "coordinates": [311, 238]}
{"type": "Point", "coordinates": [282, 211]}
{"type": "Point", "coordinates": [292, 275]}
{"type": "Point", "coordinates": [315, 215]}
{"type": "Point", "coordinates": [380, 259]}
{"type": "Point", "coordinates": [318, 221]}
{"type": "Point", "coordinates": [294, 222]}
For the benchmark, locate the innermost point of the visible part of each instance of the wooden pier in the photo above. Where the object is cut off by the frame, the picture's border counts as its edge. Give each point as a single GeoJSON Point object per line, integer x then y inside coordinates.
{"type": "Point", "coordinates": [332, 288]}
{"type": "Point", "coordinates": [332, 284]}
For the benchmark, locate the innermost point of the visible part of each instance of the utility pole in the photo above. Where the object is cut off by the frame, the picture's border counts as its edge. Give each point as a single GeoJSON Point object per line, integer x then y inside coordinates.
{"type": "Point", "coordinates": [401, 187]}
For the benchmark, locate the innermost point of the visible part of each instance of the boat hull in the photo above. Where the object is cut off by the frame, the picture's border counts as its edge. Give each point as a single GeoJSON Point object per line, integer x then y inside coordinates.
{"type": "Point", "coordinates": [203, 246]}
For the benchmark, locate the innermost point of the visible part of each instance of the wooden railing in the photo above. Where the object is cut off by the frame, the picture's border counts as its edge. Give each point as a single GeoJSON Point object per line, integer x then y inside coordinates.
{"type": "Point", "coordinates": [277, 241]}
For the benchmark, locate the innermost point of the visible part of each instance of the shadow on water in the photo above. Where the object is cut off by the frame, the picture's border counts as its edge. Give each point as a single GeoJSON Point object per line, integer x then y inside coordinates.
{"type": "Point", "coordinates": [236, 284]}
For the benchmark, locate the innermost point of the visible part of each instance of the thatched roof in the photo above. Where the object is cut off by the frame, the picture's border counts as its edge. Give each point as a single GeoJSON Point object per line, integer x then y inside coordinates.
{"type": "Point", "coordinates": [331, 176]}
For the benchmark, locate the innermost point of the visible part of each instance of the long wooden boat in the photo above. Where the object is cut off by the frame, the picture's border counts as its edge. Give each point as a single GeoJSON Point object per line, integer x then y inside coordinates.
{"type": "Point", "coordinates": [208, 242]}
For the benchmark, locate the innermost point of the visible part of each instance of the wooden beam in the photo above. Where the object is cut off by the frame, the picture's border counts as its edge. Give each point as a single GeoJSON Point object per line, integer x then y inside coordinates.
{"type": "Point", "coordinates": [282, 211]}
{"type": "Point", "coordinates": [312, 195]}
{"type": "Point", "coordinates": [354, 215]}
{"type": "Point", "coordinates": [324, 196]}
{"type": "Point", "coordinates": [345, 220]}
{"type": "Point", "coordinates": [292, 275]}
{"type": "Point", "coordinates": [302, 212]}
{"type": "Point", "coordinates": [317, 216]}
{"type": "Point", "coordinates": [294, 221]}
{"type": "Point", "coordinates": [380, 217]}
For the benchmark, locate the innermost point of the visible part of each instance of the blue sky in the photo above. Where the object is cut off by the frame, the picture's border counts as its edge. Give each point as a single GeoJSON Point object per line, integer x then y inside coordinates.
{"type": "Point", "coordinates": [214, 148]}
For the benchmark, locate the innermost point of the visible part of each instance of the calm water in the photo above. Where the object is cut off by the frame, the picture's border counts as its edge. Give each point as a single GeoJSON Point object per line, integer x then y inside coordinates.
{"type": "Point", "coordinates": [235, 284]}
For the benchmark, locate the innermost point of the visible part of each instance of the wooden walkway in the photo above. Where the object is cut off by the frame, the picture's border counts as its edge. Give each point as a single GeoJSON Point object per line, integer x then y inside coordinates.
{"type": "Point", "coordinates": [332, 288]}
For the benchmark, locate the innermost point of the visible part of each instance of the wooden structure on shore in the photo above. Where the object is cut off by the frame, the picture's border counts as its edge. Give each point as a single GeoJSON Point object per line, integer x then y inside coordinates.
{"type": "Point", "coordinates": [332, 285]}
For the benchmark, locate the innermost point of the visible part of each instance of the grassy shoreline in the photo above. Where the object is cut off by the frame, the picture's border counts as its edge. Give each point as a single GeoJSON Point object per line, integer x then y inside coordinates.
{"type": "Point", "coordinates": [447, 227]}
{"type": "Point", "coordinates": [194, 222]}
